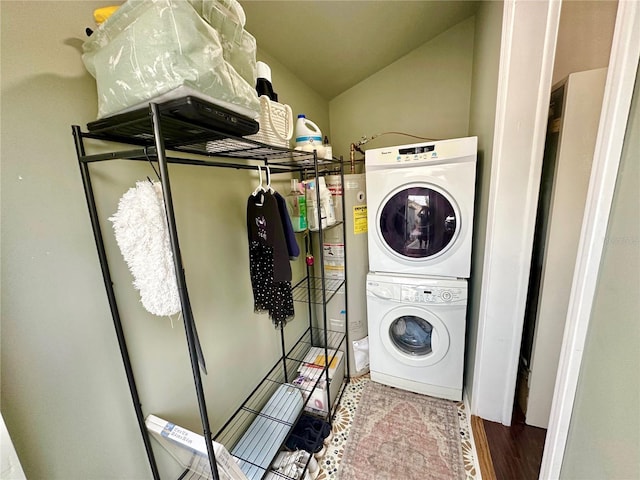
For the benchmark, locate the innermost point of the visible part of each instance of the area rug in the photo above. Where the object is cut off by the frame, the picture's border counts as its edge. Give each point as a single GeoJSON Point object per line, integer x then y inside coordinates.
{"type": "Point", "coordinates": [400, 435]}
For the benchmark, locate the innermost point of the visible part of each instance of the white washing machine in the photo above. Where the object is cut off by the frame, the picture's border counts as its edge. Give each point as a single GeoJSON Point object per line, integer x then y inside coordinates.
{"type": "Point", "coordinates": [417, 333]}
{"type": "Point", "coordinates": [420, 203]}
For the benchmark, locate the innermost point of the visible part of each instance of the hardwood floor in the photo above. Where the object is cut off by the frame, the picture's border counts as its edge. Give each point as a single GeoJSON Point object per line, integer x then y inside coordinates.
{"type": "Point", "coordinates": [515, 451]}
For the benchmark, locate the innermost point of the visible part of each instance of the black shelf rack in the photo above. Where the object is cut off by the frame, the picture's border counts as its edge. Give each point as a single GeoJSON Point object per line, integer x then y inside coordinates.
{"type": "Point", "coordinates": [162, 139]}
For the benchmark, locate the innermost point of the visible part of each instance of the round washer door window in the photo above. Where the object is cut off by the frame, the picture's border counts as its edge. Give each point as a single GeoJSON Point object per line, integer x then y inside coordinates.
{"type": "Point", "coordinates": [414, 336]}
{"type": "Point", "coordinates": [418, 222]}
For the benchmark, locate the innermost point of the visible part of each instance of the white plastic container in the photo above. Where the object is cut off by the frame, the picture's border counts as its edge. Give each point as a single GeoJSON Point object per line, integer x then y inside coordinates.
{"type": "Point", "coordinates": [326, 202]}
{"type": "Point", "coordinates": [323, 214]}
{"type": "Point", "coordinates": [328, 150]}
{"type": "Point", "coordinates": [312, 205]}
{"type": "Point", "coordinates": [308, 136]}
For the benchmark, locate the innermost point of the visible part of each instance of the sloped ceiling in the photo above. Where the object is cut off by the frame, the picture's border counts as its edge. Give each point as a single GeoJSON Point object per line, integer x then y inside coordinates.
{"type": "Point", "coordinates": [333, 45]}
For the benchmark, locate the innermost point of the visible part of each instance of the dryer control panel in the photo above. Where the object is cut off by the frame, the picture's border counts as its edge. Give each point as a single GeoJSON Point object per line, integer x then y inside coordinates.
{"type": "Point", "coordinates": [432, 295]}
{"type": "Point", "coordinates": [417, 153]}
{"type": "Point", "coordinates": [455, 150]}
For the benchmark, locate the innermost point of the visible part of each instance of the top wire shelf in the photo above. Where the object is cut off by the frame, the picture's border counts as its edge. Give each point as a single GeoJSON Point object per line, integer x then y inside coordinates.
{"type": "Point", "coordinates": [186, 137]}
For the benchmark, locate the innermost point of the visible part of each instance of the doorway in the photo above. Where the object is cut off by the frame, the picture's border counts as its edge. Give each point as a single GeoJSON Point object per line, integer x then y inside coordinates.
{"type": "Point", "coordinates": [539, 243]}
{"type": "Point", "coordinates": [574, 114]}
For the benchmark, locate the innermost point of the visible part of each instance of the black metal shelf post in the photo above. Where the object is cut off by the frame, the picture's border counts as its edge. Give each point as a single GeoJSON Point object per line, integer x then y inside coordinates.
{"type": "Point", "coordinates": [113, 305]}
{"type": "Point", "coordinates": [187, 314]}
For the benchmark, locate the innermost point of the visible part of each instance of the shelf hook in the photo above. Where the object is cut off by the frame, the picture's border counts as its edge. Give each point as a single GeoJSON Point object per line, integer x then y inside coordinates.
{"type": "Point", "coordinates": [269, 187]}
{"type": "Point", "coordinates": [146, 154]}
{"type": "Point", "coordinates": [259, 188]}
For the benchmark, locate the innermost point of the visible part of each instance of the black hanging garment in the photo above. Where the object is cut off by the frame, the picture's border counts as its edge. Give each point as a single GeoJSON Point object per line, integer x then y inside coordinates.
{"type": "Point", "coordinates": [269, 259]}
{"type": "Point", "coordinates": [289, 233]}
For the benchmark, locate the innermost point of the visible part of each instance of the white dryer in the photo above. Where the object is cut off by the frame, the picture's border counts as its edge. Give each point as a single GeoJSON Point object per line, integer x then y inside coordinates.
{"type": "Point", "coordinates": [420, 202]}
{"type": "Point", "coordinates": [417, 333]}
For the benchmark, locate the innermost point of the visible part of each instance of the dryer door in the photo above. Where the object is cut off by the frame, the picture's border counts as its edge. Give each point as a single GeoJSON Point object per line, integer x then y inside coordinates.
{"type": "Point", "coordinates": [414, 336]}
{"type": "Point", "coordinates": [418, 222]}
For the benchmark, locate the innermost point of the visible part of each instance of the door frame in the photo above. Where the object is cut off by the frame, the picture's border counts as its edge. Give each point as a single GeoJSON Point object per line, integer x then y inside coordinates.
{"type": "Point", "coordinates": [527, 51]}
{"type": "Point", "coordinates": [623, 65]}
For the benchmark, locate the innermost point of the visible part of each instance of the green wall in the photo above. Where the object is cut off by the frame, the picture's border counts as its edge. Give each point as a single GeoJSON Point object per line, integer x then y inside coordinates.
{"type": "Point", "coordinates": [293, 92]}
{"type": "Point", "coordinates": [425, 93]}
{"type": "Point", "coordinates": [64, 394]}
{"type": "Point", "coordinates": [604, 434]}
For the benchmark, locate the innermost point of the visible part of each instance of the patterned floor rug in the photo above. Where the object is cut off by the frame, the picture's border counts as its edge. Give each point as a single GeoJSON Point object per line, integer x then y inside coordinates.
{"type": "Point", "coordinates": [385, 433]}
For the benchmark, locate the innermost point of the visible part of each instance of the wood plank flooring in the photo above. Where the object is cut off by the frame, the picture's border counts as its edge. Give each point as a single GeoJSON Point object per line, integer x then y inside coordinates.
{"type": "Point", "coordinates": [515, 451]}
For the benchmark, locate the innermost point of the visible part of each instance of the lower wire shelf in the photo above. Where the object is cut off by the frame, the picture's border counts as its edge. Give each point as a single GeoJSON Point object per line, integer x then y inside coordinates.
{"type": "Point", "coordinates": [257, 432]}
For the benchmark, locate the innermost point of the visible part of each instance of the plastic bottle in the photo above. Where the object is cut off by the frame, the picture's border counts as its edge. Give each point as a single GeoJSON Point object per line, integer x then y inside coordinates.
{"type": "Point", "coordinates": [323, 214]}
{"type": "Point", "coordinates": [308, 136]}
{"type": "Point", "coordinates": [263, 82]}
{"type": "Point", "coordinates": [328, 150]}
{"type": "Point", "coordinates": [297, 207]}
{"type": "Point", "coordinates": [326, 203]}
{"type": "Point", "coordinates": [313, 210]}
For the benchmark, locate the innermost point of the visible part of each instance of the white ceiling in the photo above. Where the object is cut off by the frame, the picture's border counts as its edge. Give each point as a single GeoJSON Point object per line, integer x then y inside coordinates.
{"type": "Point", "coordinates": [333, 45]}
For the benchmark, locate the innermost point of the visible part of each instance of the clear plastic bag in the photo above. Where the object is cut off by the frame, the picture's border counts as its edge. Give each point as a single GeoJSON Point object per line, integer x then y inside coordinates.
{"type": "Point", "coordinates": [148, 49]}
{"type": "Point", "coordinates": [361, 353]}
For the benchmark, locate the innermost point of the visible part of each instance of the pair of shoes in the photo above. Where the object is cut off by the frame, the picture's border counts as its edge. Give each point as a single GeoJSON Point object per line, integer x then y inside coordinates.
{"type": "Point", "coordinates": [310, 434]}
{"type": "Point", "coordinates": [321, 427]}
{"type": "Point", "coordinates": [307, 440]}
{"type": "Point", "coordinates": [318, 425]}
{"type": "Point", "coordinates": [297, 465]}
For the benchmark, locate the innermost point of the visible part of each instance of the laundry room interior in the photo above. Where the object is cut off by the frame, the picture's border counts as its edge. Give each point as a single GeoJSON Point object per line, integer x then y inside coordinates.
{"type": "Point", "coordinates": [434, 83]}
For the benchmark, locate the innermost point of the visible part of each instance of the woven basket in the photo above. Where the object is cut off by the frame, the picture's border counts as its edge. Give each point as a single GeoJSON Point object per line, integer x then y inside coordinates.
{"type": "Point", "coordinates": [276, 123]}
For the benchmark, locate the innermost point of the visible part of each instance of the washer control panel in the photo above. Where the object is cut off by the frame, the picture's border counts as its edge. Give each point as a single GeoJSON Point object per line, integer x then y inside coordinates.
{"type": "Point", "coordinates": [431, 295]}
{"type": "Point", "coordinates": [429, 291]}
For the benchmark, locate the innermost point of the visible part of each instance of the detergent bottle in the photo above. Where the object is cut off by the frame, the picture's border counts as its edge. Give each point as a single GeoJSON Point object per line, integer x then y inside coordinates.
{"type": "Point", "coordinates": [308, 136]}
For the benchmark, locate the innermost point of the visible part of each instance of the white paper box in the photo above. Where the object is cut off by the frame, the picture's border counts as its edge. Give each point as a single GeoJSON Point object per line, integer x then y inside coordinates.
{"type": "Point", "coordinates": [190, 450]}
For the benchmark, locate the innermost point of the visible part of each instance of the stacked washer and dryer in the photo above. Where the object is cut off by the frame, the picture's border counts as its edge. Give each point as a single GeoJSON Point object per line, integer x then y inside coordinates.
{"type": "Point", "coordinates": [420, 222]}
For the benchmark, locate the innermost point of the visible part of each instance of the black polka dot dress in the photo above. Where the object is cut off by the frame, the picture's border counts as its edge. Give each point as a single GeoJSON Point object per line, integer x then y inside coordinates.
{"type": "Point", "coordinates": [269, 259]}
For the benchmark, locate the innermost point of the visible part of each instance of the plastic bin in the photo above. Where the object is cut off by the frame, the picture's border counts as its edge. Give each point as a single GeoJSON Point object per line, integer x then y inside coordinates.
{"type": "Point", "coordinates": [148, 49]}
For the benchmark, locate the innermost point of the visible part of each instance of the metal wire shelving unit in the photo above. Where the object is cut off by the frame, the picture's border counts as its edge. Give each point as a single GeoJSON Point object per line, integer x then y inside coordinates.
{"type": "Point", "coordinates": [165, 140]}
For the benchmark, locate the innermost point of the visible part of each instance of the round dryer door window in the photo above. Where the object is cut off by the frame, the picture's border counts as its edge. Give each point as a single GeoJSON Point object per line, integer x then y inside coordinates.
{"type": "Point", "coordinates": [419, 222]}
